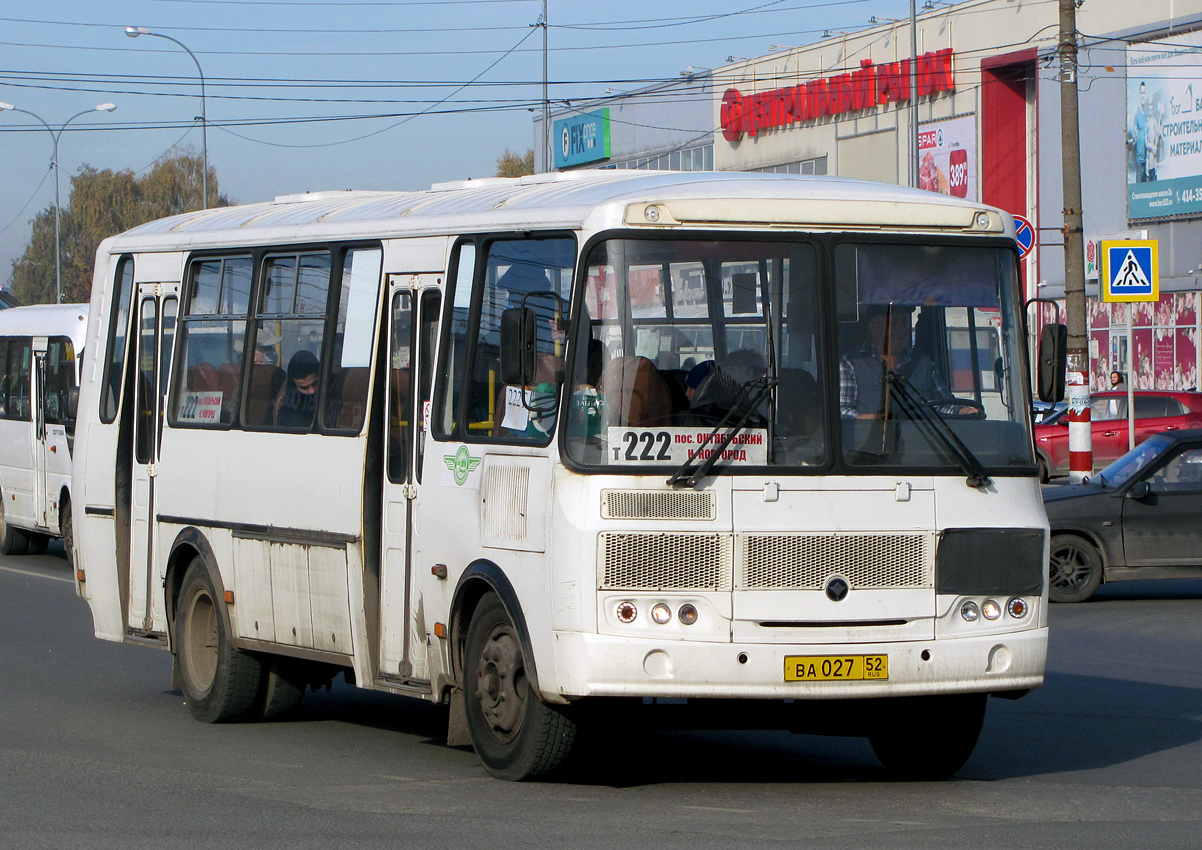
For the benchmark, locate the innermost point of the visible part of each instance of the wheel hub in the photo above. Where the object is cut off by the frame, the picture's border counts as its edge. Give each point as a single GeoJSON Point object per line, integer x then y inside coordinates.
{"type": "Point", "coordinates": [501, 683]}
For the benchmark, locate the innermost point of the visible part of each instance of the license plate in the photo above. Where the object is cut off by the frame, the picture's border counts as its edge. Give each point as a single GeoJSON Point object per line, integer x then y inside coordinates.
{"type": "Point", "coordinates": [831, 668]}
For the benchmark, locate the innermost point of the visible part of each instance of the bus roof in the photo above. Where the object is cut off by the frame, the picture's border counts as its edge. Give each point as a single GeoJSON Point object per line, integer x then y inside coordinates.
{"type": "Point", "coordinates": [69, 320]}
{"type": "Point", "coordinates": [566, 200]}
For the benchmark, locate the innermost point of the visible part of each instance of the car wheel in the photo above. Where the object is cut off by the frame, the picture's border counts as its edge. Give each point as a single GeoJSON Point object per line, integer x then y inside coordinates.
{"type": "Point", "coordinates": [1045, 474]}
{"type": "Point", "coordinates": [1074, 569]}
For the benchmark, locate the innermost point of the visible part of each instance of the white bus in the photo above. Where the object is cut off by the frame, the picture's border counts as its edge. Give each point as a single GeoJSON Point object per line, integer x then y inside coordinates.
{"type": "Point", "coordinates": [40, 354]}
{"type": "Point", "coordinates": [590, 448]}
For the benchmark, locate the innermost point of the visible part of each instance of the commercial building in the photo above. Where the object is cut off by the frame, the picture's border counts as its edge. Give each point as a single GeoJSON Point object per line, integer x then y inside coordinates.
{"type": "Point", "coordinates": [988, 129]}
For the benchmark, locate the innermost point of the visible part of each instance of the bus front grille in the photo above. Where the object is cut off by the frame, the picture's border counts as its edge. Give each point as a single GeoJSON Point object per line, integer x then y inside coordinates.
{"type": "Point", "coordinates": [657, 504]}
{"type": "Point", "coordinates": [809, 561]}
{"type": "Point", "coordinates": [662, 561]}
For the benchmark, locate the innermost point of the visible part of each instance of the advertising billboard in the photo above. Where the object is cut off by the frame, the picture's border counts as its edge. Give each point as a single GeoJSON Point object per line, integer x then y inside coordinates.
{"type": "Point", "coordinates": [582, 139]}
{"type": "Point", "coordinates": [1164, 128]}
{"type": "Point", "coordinates": [948, 156]}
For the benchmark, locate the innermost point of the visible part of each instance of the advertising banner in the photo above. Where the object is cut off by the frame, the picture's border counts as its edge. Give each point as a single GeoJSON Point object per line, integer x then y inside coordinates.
{"type": "Point", "coordinates": [582, 139]}
{"type": "Point", "coordinates": [948, 157]}
{"type": "Point", "coordinates": [1164, 128]}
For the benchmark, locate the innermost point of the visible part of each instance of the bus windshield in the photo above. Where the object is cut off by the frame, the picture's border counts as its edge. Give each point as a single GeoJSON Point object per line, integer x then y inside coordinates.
{"type": "Point", "coordinates": [678, 338]}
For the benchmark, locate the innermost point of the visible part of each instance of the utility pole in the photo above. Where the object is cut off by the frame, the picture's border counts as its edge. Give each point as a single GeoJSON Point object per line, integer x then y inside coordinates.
{"type": "Point", "coordinates": [1080, 437]}
{"type": "Point", "coordinates": [913, 170]}
{"type": "Point", "coordinates": [546, 102]}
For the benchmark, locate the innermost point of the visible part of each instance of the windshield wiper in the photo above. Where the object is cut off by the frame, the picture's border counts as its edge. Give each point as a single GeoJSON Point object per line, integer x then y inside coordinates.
{"type": "Point", "coordinates": [912, 399]}
{"type": "Point", "coordinates": [686, 474]}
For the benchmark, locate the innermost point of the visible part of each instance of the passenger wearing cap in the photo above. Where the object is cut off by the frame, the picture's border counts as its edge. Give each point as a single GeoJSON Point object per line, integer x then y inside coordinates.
{"type": "Point", "coordinates": [297, 402]}
{"type": "Point", "coordinates": [888, 348]}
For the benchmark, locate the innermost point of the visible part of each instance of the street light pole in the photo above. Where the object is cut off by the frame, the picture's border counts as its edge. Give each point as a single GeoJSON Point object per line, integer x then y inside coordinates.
{"type": "Point", "coordinates": [58, 237]}
{"type": "Point", "coordinates": [134, 32]}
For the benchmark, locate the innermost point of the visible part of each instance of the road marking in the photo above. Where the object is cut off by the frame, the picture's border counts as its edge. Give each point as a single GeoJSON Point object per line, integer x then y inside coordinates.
{"type": "Point", "coordinates": [37, 575]}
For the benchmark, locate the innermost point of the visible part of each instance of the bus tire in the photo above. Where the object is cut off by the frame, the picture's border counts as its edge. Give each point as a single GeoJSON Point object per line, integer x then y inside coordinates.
{"type": "Point", "coordinates": [219, 682]}
{"type": "Point", "coordinates": [13, 540]}
{"type": "Point", "coordinates": [928, 738]}
{"type": "Point", "coordinates": [515, 734]}
{"type": "Point", "coordinates": [283, 687]}
{"type": "Point", "coordinates": [37, 543]}
{"type": "Point", "coordinates": [67, 527]}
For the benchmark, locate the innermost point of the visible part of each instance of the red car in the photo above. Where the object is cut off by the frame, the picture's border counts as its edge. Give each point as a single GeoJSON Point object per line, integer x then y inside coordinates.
{"type": "Point", "coordinates": [1155, 411]}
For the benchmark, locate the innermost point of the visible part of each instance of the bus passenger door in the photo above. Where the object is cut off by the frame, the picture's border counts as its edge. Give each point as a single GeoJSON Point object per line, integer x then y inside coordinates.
{"type": "Point", "coordinates": [405, 585]}
{"type": "Point", "coordinates": [156, 330]}
{"type": "Point", "coordinates": [41, 453]}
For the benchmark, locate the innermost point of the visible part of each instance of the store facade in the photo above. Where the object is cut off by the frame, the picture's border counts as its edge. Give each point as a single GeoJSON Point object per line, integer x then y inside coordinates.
{"type": "Point", "coordinates": [988, 115]}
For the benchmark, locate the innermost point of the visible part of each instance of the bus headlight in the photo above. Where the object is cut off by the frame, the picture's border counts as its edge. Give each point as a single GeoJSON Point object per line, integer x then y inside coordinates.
{"type": "Point", "coordinates": [661, 613]}
{"type": "Point", "coordinates": [687, 614]}
{"type": "Point", "coordinates": [991, 610]}
{"type": "Point", "coordinates": [1017, 608]}
{"type": "Point", "coordinates": [626, 612]}
{"type": "Point", "coordinates": [970, 612]}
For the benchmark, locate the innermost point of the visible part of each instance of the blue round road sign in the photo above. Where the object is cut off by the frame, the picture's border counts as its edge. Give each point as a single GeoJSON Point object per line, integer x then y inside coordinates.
{"type": "Point", "coordinates": [1024, 234]}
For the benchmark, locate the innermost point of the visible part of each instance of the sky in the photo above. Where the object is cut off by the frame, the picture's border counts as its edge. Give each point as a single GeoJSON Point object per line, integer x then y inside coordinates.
{"type": "Point", "coordinates": [306, 95]}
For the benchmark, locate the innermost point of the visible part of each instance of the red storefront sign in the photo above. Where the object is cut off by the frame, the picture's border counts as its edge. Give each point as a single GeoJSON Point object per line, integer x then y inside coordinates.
{"type": "Point", "coordinates": [870, 86]}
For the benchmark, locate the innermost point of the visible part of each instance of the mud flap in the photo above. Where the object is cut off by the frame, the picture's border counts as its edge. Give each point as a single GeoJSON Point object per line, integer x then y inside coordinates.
{"type": "Point", "coordinates": [457, 731]}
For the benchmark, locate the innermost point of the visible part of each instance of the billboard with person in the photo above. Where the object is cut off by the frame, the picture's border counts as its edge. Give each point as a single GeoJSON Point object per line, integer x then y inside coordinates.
{"type": "Point", "coordinates": [1164, 128]}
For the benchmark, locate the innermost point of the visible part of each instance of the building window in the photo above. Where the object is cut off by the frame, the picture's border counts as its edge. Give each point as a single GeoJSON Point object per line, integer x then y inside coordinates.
{"type": "Point", "coordinates": [815, 166]}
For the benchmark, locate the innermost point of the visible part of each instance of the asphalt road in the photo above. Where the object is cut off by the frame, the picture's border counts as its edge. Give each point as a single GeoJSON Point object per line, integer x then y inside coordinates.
{"type": "Point", "coordinates": [97, 751]}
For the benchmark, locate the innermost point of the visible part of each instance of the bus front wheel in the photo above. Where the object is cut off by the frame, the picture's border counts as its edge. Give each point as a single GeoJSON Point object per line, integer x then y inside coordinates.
{"type": "Point", "coordinates": [220, 683]}
{"type": "Point", "coordinates": [928, 738]}
{"type": "Point", "coordinates": [515, 734]}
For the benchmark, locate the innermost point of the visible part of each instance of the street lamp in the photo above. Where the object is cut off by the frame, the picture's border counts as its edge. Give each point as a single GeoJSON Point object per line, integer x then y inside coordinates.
{"type": "Point", "coordinates": [58, 238]}
{"type": "Point", "coordinates": [134, 32]}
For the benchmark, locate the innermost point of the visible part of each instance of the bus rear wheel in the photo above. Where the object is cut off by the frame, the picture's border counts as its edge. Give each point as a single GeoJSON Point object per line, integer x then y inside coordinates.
{"type": "Point", "coordinates": [13, 540]}
{"type": "Point", "coordinates": [515, 734]}
{"type": "Point", "coordinates": [928, 738]}
{"type": "Point", "coordinates": [220, 683]}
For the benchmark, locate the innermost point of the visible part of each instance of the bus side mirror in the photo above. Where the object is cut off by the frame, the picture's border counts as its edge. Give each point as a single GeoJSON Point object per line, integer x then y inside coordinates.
{"type": "Point", "coordinates": [1053, 361]}
{"type": "Point", "coordinates": [519, 331]}
{"type": "Point", "coordinates": [72, 404]}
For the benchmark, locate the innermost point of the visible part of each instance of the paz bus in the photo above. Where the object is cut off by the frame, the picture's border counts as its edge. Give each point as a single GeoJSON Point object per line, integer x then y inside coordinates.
{"type": "Point", "coordinates": [566, 452]}
{"type": "Point", "coordinates": [40, 353]}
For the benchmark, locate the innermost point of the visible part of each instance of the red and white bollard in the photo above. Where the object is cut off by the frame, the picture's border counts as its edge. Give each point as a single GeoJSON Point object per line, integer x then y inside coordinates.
{"type": "Point", "coordinates": [1080, 434]}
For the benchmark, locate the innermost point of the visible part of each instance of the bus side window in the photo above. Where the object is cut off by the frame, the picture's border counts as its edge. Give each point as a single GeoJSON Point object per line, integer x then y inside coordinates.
{"type": "Point", "coordinates": [5, 378]}
{"type": "Point", "coordinates": [110, 387]}
{"type": "Point", "coordinates": [20, 358]}
{"type": "Point", "coordinates": [346, 400]}
{"type": "Point", "coordinates": [533, 274]}
{"type": "Point", "coordinates": [455, 342]}
{"type": "Point", "coordinates": [211, 336]}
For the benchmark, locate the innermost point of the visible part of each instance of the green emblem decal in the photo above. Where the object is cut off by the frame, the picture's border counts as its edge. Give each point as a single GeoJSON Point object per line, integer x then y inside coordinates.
{"type": "Point", "coordinates": [461, 464]}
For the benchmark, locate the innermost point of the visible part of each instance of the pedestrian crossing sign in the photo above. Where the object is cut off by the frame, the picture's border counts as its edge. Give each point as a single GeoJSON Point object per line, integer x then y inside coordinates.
{"type": "Point", "coordinates": [1130, 270]}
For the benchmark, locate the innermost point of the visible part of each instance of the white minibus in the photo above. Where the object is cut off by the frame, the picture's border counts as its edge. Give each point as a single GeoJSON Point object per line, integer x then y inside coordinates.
{"type": "Point", "coordinates": [41, 348]}
{"type": "Point", "coordinates": [574, 451]}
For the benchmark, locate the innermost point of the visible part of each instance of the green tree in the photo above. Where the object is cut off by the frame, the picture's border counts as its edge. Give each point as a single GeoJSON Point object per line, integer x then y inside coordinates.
{"type": "Point", "coordinates": [510, 164]}
{"type": "Point", "coordinates": [104, 203]}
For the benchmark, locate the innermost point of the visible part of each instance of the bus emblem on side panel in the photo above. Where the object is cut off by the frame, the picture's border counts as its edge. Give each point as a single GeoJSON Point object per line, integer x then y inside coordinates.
{"type": "Point", "coordinates": [461, 464]}
{"type": "Point", "coordinates": [836, 589]}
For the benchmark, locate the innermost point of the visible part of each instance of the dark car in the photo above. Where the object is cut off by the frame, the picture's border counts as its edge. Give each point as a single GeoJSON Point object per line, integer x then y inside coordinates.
{"type": "Point", "coordinates": [1140, 517]}
{"type": "Point", "coordinates": [1155, 411]}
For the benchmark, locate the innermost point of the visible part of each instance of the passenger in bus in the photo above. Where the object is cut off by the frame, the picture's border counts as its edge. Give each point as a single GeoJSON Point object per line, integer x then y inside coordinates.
{"type": "Point", "coordinates": [297, 402]}
{"type": "Point", "coordinates": [799, 417]}
{"type": "Point", "coordinates": [887, 347]}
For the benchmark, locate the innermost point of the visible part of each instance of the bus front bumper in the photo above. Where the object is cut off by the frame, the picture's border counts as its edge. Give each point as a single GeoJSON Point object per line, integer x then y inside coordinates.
{"type": "Point", "coordinates": [604, 665]}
